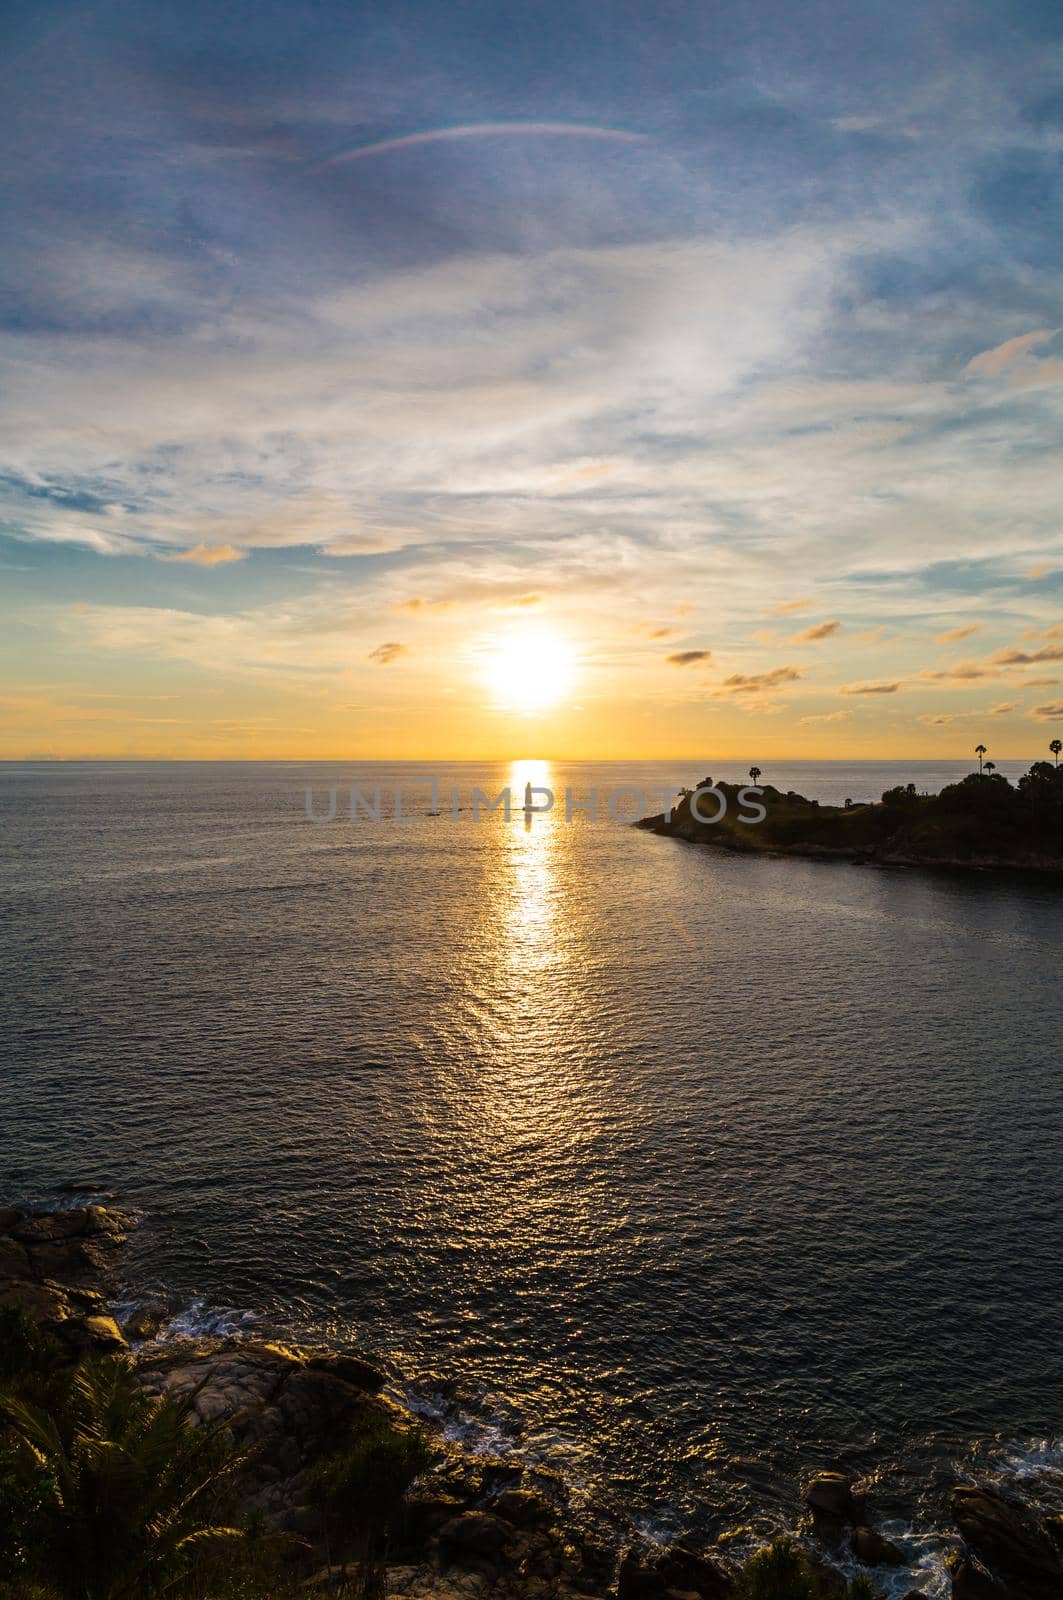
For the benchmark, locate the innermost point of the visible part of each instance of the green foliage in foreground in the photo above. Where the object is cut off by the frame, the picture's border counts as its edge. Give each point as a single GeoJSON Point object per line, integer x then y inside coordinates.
{"type": "Point", "coordinates": [782, 1571]}
{"type": "Point", "coordinates": [362, 1493]}
{"type": "Point", "coordinates": [116, 1495]}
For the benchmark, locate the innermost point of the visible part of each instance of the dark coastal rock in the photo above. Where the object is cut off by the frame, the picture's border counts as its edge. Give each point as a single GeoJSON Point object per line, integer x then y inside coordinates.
{"type": "Point", "coordinates": [1010, 1540]}
{"type": "Point", "coordinates": [474, 1533]}
{"type": "Point", "coordinates": [831, 1495]}
{"type": "Point", "coordinates": [351, 1369]}
{"type": "Point", "coordinates": [14, 1260]}
{"type": "Point", "coordinates": [970, 1581]}
{"type": "Point", "coordinates": [145, 1322]}
{"type": "Point", "coordinates": [286, 1410]}
{"type": "Point", "coordinates": [9, 1215]}
{"type": "Point", "coordinates": [648, 1573]}
{"type": "Point", "coordinates": [873, 1550]}
{"type": "Point", "coordinates": [524, 1508]}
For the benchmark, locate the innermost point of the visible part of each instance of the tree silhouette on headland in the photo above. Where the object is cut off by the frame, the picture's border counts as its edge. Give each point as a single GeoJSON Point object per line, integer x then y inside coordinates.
{"type": "Point", "coordinates": [980, 751]}
{"type": "Point", "coordinates": [1056, 746]}
{"type": "Point", "coordinates": [991, 766]}
{"type": "Point", "coordinates": [754, 773]}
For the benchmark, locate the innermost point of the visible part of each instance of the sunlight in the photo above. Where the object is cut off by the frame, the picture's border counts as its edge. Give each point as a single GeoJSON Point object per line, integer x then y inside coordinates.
{"type": "Point", "coordinates": [530, 670]}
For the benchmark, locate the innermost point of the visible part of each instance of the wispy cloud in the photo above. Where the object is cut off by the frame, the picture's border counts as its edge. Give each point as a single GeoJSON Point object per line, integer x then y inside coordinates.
{"type": "Point", "coordinates": [210, 555]}
{"type": "Point", "coordinates": [953, 635]}
{"type": "Point", "coordinates": [690, 658]}
{"type": "Point", "coordinates": [821, 630]}
{"type": "Point", "coordinates": [385, 654]}
{"type": "Point", "coordinates": [869, 688]}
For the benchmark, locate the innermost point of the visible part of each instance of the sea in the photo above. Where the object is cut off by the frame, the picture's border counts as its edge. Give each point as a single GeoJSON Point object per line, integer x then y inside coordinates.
{"type": "Point", "coordinates": [680, 1173]}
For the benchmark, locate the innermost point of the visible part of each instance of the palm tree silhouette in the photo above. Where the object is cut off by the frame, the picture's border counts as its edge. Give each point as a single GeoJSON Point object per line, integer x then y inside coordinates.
{"type": "Point", "coordinates": [991, 766]}
{"type": "Point", "coordinates": [1056, 746]}
{"type": "Point", "coordinates": [979, 751]}
{"type": "Point", "coordinates": [754, 773]}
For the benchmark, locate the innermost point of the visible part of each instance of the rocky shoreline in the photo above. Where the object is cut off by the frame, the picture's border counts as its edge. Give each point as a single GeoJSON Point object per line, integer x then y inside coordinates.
{"type": "Point", "coordinates": [478, 1526]}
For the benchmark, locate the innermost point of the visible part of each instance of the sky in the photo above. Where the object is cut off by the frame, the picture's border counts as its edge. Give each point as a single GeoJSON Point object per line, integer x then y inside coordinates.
{"type": "Point", "coordinates": [477, 380]}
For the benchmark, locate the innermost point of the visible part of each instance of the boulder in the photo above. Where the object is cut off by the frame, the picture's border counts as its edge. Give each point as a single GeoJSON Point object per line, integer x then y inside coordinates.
{"type": "Point", "coordinates": [1009, 1539]}
{"type": "Point", "coordinates": [474, 1533]}
{"type": "Point", "coordinates": [145, 1322]}
{"type": "Point", "coordinates": [351, 1369]}
{"type": "Point", "coordinates": [649, 1574]}
{"type": "Point", "coordinates": [103, 1333]}
{"type": "Point", "coordinates": [524, 1508]}
{"type": "Point", "coordinates": [873, 1550]}
{"type": "Point", "coordinates": [14, 1259]}
{"type": "Point", "coordinates": [9, 1215]}
{"type": "Point", "coordinates": [285, 1412]}
{"type": "Point", "coordinates": [969, 1579]}
{"type": "Point", "coordinates": [831, 1494]}
{"type": "Point", "coordinates": [47, 1303]}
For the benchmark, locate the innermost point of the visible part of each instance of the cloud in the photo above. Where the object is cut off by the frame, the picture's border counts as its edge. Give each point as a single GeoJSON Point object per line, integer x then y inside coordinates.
{"type": "Point", "coordinates": [827, 716]}
{"type": "Point", "coordinates": [1039, 683]}
{"type": "Point", "coordinates": [419, 603]}
{"type": "Point", "coordinates": [1041, 570]}
{"type": "Point", "coordinates": [210, 555]}
{"type": "Point", "coordinates": [960, 672]}
{"type": "Point", "coordinates": [953, 635]}
{"type": "Point", "coordinates": [1004, 708]}
{"type": "Point", "coordinates": [1026, 658]}
{"type": "Point", "coordinates": [869, 688]}
{"type": "Point", "coordinates": [936, 719]}
{"type": "Point", "coordinates": [689, 658]}
{"type": "Point", "coordinates": [385, 654]}
{"type": "Point", "coordinates": [1047, 713]}
{"type": "Point", "coordinates": [821, 630]}
{"type": "Point", "coordinates": [1016, 359]}
{"type": "Point", "coordinates": [789, 606]}
{"type": "Point", "coordinates": [756, 683]}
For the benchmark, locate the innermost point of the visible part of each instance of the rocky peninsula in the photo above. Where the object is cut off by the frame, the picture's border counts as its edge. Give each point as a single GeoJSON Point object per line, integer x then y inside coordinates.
{"type": "Point", "coordinates": [474, 1527]}
{"type": "Point", "coordinates": [983, 822]}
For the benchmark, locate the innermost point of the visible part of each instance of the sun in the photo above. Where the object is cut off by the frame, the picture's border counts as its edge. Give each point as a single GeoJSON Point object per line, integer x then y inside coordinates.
{"type": "Point", "coordinates": [529, 671]}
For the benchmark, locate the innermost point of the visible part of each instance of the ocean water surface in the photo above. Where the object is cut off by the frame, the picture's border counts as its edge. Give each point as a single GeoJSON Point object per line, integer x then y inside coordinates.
{"type": "Point", "coordinates": [682, 1172]}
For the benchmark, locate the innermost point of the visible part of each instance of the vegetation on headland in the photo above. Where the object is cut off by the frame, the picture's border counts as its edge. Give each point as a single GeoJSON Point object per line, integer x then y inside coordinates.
{"type": "Point", "coordinates": [981, 821]}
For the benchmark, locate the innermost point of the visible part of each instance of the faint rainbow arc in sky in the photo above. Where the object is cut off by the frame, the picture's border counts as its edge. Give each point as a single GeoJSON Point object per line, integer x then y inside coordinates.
{"type": "Point", "coordinates": [477, 130]}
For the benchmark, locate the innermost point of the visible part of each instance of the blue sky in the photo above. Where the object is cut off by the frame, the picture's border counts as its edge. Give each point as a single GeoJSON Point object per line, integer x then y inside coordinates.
{"type": "Point", "coordinates": [722, 333]}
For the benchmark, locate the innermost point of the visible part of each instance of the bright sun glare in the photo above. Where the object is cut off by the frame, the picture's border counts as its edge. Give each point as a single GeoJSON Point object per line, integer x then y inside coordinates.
{"type": "Point", "coordinates": [530, 671]}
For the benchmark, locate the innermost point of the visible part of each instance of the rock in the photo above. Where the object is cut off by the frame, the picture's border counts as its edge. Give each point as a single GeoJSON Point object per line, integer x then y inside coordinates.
{"type": "Point", "coordinates": [474, 1533]}
{"type": "Point", "coordinates": [68, 1258]}
{"type": "Point", "coordinates": [873, 1550]}
{"type": "Point", "coordinates": [970, 1581]}
{"type": "Point", "coordinates": [286, 1412]}
{"type": "Point", "coordinates": [103, 1333]}
{"type": "Point", "coordinates": [351, 1369]}
{"type": "Point", "coordinates": [145, 1322]}
{"type": "Point", "coordinates": [9, 1215]}
{"type": "Point", "coordinates": [651, 1574]}
{"type": "Point", "coordinates": [78, 1222]}
{"type": "Point", "coordinates": [47, 1303]}
{"type": "Point", "coordinates": [831, 1494]}
{"type": "Point", "coordinates": [1011, 1540]}
{"type": "Point", "coordinates": [14, 1259]}
{"type": "Point", "coordinates": [524, 1508]}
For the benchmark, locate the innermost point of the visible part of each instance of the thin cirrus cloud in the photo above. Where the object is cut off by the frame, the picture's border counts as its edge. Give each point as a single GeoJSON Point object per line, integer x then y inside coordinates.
{"type": "Point", "coordinates": [1052, 712]}
{"type": "Point", "coordinates": [953, 635]}
{"type": "Point", "coordinates": [869, 688]}
{"type": "Point", "coordinates": [484, 130]}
